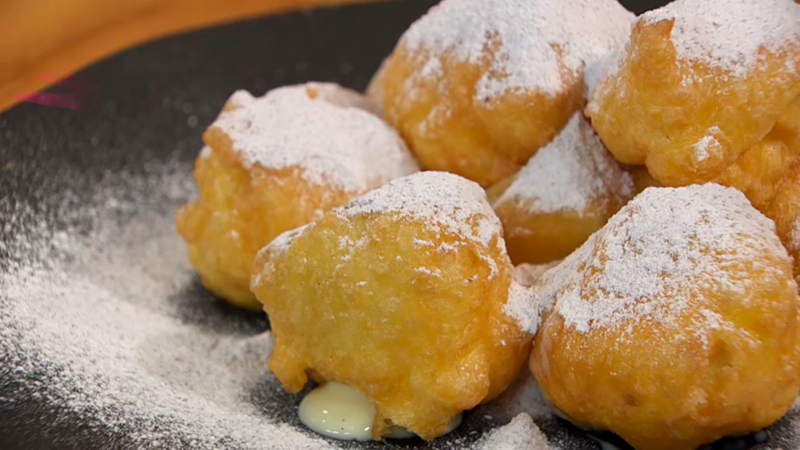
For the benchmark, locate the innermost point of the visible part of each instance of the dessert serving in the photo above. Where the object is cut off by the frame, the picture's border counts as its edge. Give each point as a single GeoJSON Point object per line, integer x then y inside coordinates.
{"type": "Point", "coordinates": [673, 324]}
{"type": "Point", "coordinates": [546, 224]}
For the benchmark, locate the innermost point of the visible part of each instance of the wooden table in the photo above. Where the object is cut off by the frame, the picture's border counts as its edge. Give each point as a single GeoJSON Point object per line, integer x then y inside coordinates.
{"type": "Point", "coordinates": [42, 41]}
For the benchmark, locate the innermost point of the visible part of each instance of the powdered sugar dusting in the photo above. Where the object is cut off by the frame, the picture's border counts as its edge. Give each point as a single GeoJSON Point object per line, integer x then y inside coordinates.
{"type": "Point", "coordinates": [326, 130]}
{"type": "Point", "coordinates": [572, 172]}
{"type": "Point", "coordinates": [284, 240]}
{"type": "Point", "coordinates": [703, 148]}
{"type": "Point", "coordinates": [519, 434]}
{"type": "Point", "coordinates": [445, 202]}
{"type": "Point", "coordinates": [645, 262]}
{"type": "Point", "coordinates": [538, 39]}
{"type": "Point", "coordinates": [88, 323]}
{"type": "Point", "coordinates": [522, 307]}
{"type": "Point", "coordinates": [729, 33]}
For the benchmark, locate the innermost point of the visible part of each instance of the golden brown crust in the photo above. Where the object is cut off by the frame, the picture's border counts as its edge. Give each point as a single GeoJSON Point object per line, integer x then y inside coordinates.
{"type": "Point", "coordinates": [758, 171]}
{"type": "Point", "coordinates": [717, 355]}
{"type": "Point", "coordinates": [784, 209]}
{"type": "Point", "coordinates": [541, 237]}
{"type": "Point", "coordinates": [655, 109]}
{"type": "Point", "coordinates": [448, 129]}
{"type": "Point", "coordinates": [370, 313]}
{"type": "Point", "coordinates": [239, 210]}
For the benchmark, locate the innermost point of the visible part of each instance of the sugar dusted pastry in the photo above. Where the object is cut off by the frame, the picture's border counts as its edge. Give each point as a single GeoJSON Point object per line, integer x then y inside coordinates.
{"type": "Point", "coordinates": [566, 192]}
{"type": "Point", "coordinates": [277, 162]}
{"type": "Point", "coordinates": [700, 84]}
{"type": "Point", "coordinates": [674, 325]}
{"type": "Point", "coordinates": [785, 211]}
{"type": "Point", "coordinates": [477, 86]}
{"type": "Point", "coordinates": [759, 170]}
{"type": "Point", "coordinates": [401, 295]}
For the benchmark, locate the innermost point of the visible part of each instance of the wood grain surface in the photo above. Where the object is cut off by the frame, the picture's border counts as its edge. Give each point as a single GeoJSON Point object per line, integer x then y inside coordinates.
{"type": "Point", "coordinates": [42, 41]}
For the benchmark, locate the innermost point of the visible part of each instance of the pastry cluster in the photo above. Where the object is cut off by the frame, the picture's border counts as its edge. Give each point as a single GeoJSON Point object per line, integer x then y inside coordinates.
{"type": "Point", "coordinates": [613, 199]}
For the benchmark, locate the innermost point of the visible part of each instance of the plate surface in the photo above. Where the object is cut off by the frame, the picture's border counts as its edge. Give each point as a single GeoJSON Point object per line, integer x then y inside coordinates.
{"type": "Point", "coordinates": [107, 338]}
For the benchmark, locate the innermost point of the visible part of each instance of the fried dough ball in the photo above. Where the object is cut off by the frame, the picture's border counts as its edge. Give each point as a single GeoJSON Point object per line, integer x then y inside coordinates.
{"type": "Point", "coordinates": [674, 325]}
{"type": "Point", "coordinates": [698, 85]}
{"type": "Point", "coordinates": [758, 170]}
{"type": "Point", "coordinates": [400, 295]}
{"type": "Point", "coordinates": [275, 163]}
{"type": "Point", "coordinates": [476, 87]}
{"type": "Point", "coordinates": [566, 192]}
{"type": "Point", "coordinates": [785, 211]}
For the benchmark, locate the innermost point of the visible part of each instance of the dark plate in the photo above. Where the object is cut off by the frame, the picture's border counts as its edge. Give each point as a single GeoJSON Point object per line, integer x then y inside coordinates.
{"type": "Point", "coordinates": [87, 247]}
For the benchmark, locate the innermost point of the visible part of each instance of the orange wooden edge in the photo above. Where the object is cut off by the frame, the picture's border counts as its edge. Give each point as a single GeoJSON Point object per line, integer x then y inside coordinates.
{"type": "Point", "coordinates": [43, 41]}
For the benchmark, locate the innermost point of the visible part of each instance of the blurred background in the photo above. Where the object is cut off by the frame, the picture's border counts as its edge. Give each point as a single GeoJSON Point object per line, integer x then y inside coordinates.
{"type": "Point", "coordinates": [44, 41]}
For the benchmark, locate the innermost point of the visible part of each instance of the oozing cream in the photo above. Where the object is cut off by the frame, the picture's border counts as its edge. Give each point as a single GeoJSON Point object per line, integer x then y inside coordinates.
{"type": "Point", "coordinates": [341, 412]}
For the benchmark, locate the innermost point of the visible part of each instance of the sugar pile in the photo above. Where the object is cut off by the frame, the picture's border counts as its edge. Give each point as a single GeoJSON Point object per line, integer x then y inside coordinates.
{"type": "Point", "coordinates": [519, 434]}
{"type": "Point", "coordinates": [85, 309]}
{"type": "Point", "coordinates": [539, 40]}
{"type": "Point", "coordinates": [324, 129]}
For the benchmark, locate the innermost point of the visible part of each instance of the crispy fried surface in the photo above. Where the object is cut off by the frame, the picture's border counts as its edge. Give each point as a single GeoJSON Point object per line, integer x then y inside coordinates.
{"type": "Point", "coordinates": [785, 211]}
{"type": "Point", "coordinates": [448, 130]}
{"type": "Point", "coordinates": [238, 211]}
{"type": "Point", "coordinates": [656, 109]}
{"type": "Point", "coordinates": [541, 237]}
{"type": "Point", "coordinates": [758, 171]}
{"type": "Point", "coordinates": [371, 301]}
{"type": "Point", "coordinates": [679, 382]}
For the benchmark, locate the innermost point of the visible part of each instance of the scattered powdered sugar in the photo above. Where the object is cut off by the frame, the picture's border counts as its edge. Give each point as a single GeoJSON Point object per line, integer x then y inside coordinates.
{"type": "Point", "coordinates": [445, 202]}
{"type": "Point", "coordinates": [729, 33]}
{"type": "Point", "coordinates": [704, 147]}
{"type": "Point", "coordinates": [325, 129]}
{"type": "Point", "coordinates": [539, 40]}
{"type": "Point", "coordinates": [519, 434]}
{"type": "Point", "coordinates": [657, 255]}
{"type": "Point", "coordinates": [205, 153]}
{"type": "Point", "coordinates": [570, 173]}
{"type": "Point", "coordinates": [91, 322]}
